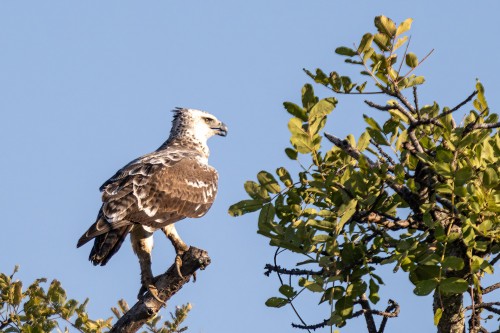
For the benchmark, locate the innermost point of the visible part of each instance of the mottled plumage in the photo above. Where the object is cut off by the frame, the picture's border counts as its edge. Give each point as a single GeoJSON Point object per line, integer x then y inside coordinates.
{"type": "Point", "coordinates": [156, 190]}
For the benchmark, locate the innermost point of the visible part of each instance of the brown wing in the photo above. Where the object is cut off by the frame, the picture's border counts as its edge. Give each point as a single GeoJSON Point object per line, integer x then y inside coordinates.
{"type": "Point", "coordinates": [159, 191]}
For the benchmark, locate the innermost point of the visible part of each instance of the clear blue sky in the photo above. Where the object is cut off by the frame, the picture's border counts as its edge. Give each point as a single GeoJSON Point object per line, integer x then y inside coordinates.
{"type": "Point", "coordinates": [86, 86]}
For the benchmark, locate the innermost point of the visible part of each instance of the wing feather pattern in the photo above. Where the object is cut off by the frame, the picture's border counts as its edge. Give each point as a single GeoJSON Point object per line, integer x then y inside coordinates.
{"type": "Point", "coordinates": [155, 190]}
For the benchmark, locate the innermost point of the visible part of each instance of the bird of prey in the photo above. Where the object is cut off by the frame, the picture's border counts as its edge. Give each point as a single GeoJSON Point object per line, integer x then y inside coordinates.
{"type": "Point", "coordinates": [156, 190]}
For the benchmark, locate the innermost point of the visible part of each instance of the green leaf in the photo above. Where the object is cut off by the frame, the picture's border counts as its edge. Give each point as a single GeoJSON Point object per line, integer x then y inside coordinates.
{"type": "Point", "coordinates": [300, 139]}
{"type": "Point", "coordinates": [18, 293]}
{"type": "Point", "coordinates": [312, 286]}
{"type": "Point", "coordinates": [268, 181]}
{"type": "Point", "coordinates": [404, 26]}
{"type": "Point", "coordinates": [266, 218]}
{"type": "Point", "coordinates": [411, 60]}
{"type": "Point", "coordinates": [385, 25]}
{"type": "Point", "coordinates": [463, 175]}
{"type": "Point", "coordinates": [399, 42]}
{"type": "Point", "coordinates": [323, 108]}
{"type": "Point", "coordinates": [245, 206]}
{"type": "Point", "coordinates": [276, 302]}
{"type": "Point", "coordinates": [453, 285]}
{"type": "Point", "coordinates": [437, 316]}
{"type": "Point", "coordinates": [308, 98]}
{"type": "Point", "coordinates": [364, 141]}
{"type": "Point", "coordinates": [345, 51]}
{"type": "Point", "coordinates": [287, 291]}
{"type": "Point", "coordinates": [425, 287]}
{"type": "Point", "coordinates": [291, 153]}
{"type": "Point", "coordinates": [383, 41]}
{"type": "Point", "coordinates": [295, 110]}
{"type": "Point", "coordinates": [284, 176]}
{"type": "Point", "coordinates": [348, 213]}
{"type": "Point", "coordinates": [365, 43]}
{"type": "Point", "coordinates": [374, 287]}
{"type": "Point", "coordinates": [255, 191]}
{"type": "Point", "coordinates": [344, 306]}
{"type": "Point", "coordinates": [454, 263]}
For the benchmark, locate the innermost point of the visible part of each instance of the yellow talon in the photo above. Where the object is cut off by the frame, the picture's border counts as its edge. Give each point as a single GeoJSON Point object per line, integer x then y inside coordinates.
{"type": "Point", "coordinates": [154, 292]}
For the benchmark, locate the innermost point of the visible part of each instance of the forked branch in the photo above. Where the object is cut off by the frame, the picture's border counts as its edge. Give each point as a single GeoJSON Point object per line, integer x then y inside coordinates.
{"type": "Point", "coordinates": [168, 284]}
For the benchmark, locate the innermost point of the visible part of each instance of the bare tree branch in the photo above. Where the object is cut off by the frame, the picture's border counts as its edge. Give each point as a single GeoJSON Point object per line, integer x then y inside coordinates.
{"type": "Point", "coordinates": [168, 284]}
{"type": "Point", "coordinates": [295, 271]}
{"type": "Point", "coordinates": [491, 288]}
{"type": "Point", "coordinates": [393, 308]}
{"type": "Point", "coordinates": [456, 108]}
{"type": "Point", "coordinates": [494, 260]}
{"type": "Point", "coordinates": [368, 313]}
{"type": "Point", "coordinates": [311, 327]}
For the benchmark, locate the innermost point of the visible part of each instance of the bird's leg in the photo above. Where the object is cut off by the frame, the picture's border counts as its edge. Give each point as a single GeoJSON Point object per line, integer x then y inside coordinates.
{"type": "Point", "coordinates": [179, 245]}
{"type": "Point", "coordinates": [142, 243]}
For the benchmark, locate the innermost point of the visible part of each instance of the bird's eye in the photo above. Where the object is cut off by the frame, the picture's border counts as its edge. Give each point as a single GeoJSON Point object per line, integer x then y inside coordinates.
{"type": "Point", "coordinates": [208, 120]}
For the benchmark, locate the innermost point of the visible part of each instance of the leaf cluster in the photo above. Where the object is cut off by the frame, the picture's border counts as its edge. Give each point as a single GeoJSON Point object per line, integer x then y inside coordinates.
{"type": "Point", "coordinates": [420, 191]}
{"type": "Point", "coordinates": [38, 309]}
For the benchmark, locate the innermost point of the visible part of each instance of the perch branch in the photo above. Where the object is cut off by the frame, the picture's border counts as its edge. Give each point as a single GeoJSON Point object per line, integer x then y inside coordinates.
{"type": "Point", "coordinates": [168, 284]}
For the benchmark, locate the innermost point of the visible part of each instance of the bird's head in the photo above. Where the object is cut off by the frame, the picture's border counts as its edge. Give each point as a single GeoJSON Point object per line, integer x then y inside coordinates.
{"type": "Point", "coordinates": [197, 124]}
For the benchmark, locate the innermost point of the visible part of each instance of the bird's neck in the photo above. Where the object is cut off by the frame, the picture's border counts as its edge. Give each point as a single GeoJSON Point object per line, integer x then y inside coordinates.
{"type": "Point", "coordinates": [187, 143]}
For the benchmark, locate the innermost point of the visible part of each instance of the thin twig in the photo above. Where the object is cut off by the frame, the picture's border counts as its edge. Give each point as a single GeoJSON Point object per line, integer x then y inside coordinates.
{"type": "Point", "coordinates": [281, 282]}
{"type": "Point", "coordinates": [491, 288]}
{"type": "Point", "coordinates": [311, 327]}
{"type": "Point", "coordinates": [494, 260]}
{"type": "Point", "coordinates": [383, 153]}
{"type": "Point", "coordinates": [295, 271]}
{"type": "Point", "coordinates": [485, 306]}
{"type": "Point", "coordinates": [456, 108]}
{"type": "Point", "coordinates": [415, 101]}
{"type": "Point", "coordinates": [419, 63]}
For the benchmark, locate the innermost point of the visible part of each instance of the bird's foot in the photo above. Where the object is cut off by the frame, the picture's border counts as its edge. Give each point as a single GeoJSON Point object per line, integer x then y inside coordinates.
{"type": "Point", "coordinates": [152, 289]}
{"type": "Point", "coordinates": [178, 265]}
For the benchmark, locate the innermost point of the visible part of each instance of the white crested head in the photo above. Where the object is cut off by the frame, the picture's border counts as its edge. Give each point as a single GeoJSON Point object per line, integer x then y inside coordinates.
{"type": "Point", "coordinates": [192, 128]}
{"type": "Point", "coordinates": [196, 124]}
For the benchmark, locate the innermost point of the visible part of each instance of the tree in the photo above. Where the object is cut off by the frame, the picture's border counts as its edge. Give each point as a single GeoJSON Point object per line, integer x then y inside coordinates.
{"type": "Point", "coordinates": [420, 192]}
{"type": "Point", "coordinates": [34, 310]}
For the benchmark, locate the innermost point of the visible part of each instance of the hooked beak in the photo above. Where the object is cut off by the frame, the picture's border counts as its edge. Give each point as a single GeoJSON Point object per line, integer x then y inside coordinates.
{"type": "Point", "coordinates": [221, 129]}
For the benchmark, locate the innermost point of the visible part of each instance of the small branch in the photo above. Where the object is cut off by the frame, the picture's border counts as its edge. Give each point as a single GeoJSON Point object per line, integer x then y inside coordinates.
{"type": "Point", "coordinates": [5, 323]}
{"type": "Point", "coordinates": [484, 126]}
{"type": "Point", "coordinates": [290, 301]}
{"type": "Point", "coordinates": [446, 204]}
{"type": "Point", "coordinates": [311, 327]}
{"type": "Point", "coordinates": [295, 271]}
{"type": "Point", "coordinates": [487, 306]}
{"type": "Point", "coordinates": [390, 312]}
{"type": "Point", "coordinates": [491, 288]}
{"type": "Point", "coordinates": [494, 260]}
{"type": "Point", "coordinates": [420, 62]}
{"type": "Point", "coordinates": [456, 108]}
{"type": "Point", "coordinates": [415, 101]}
{"type": "Point", "coordinates": [393, 308]}
{"type": "Point", "coordinates": [168, 284]}
{"type": "Point", "coordinates": [388, 224]}
{"type": "Point", "coordinates": [384, 154]}
{"type": "Point", "coordinates": [391, 107]}
{"type": "Point", "coordinates": [368, 312]}
{"type": "Point", "coordinates": [348, 149]}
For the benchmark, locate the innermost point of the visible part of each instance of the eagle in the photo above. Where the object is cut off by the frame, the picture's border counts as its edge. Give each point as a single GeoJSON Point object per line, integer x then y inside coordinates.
{"type": "Point", "coordinates": [156, 190]}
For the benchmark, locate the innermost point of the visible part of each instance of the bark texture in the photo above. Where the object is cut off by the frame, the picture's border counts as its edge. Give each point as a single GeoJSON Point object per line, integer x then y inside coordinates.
{"type": "Point", "coordinates": [168, 284]}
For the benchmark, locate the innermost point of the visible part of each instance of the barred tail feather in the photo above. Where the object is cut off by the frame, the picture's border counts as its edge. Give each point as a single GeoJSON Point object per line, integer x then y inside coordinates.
{"type": "Point", "coordinates": [107, 244]}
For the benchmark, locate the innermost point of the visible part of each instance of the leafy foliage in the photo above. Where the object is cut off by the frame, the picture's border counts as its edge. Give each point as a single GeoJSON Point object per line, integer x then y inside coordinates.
{"type": "Point", "coordinates": [420, 191]}
{"type": "Point", "coordinates": [36, 310]}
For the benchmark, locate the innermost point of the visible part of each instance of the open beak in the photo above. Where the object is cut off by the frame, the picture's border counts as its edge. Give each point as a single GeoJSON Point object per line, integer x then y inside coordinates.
{"type": "Point", "coordinates": [221, 129]}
